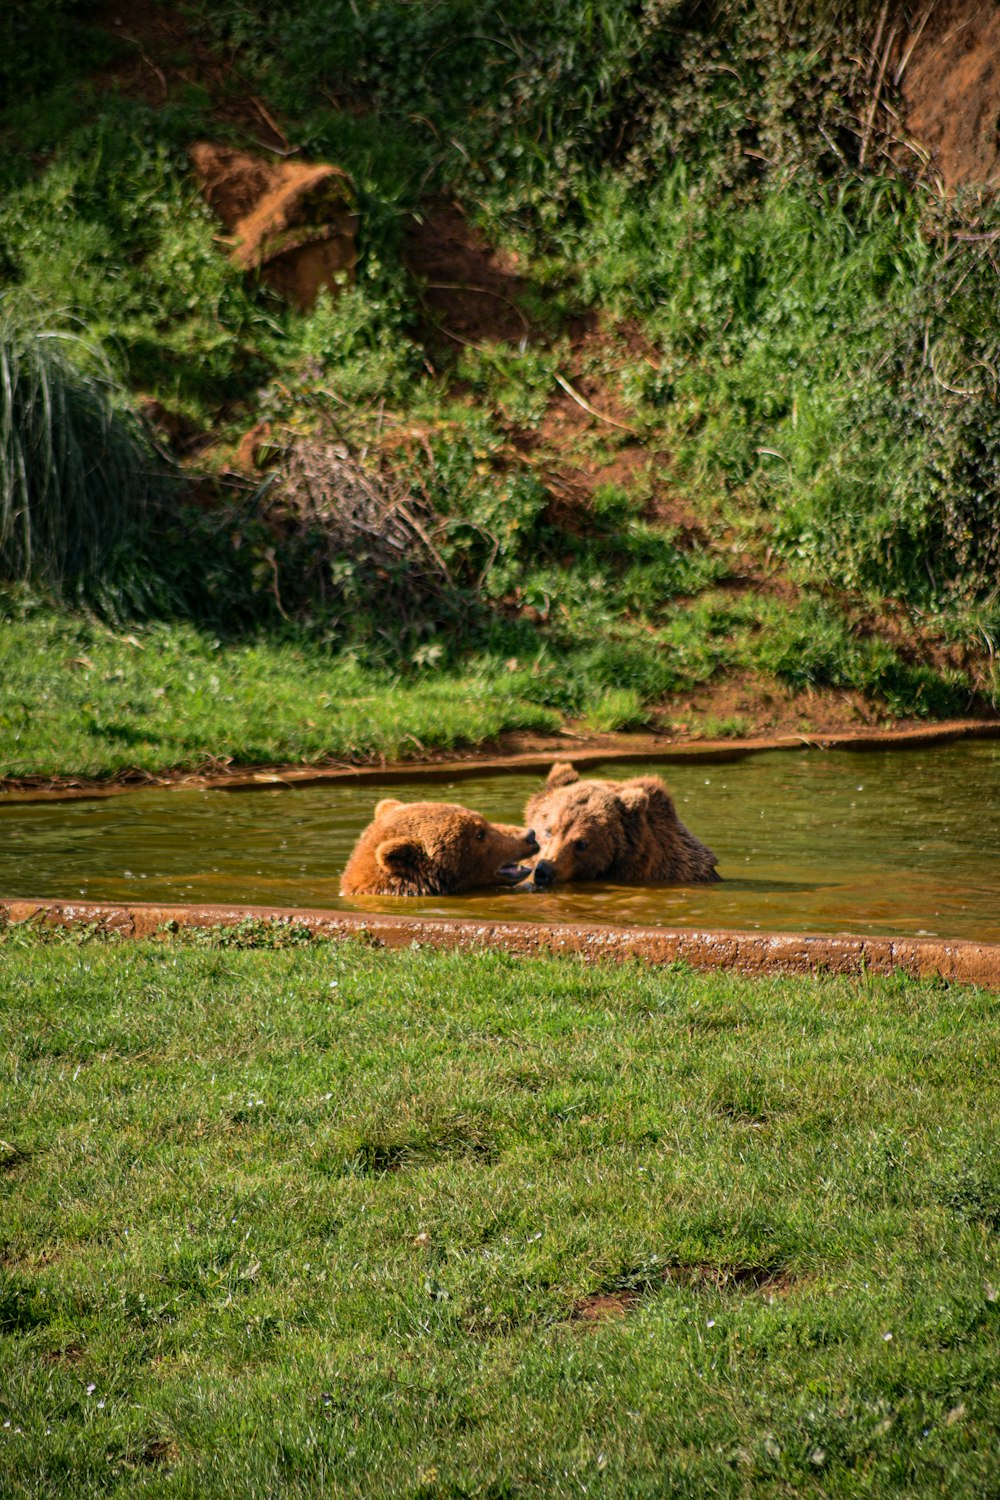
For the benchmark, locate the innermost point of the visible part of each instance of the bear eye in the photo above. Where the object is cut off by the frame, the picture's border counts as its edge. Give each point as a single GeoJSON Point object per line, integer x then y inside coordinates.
{"type": "Point", "coordinates": [581, 844]}
{"type": "Point", "coordinates": [481, 834]}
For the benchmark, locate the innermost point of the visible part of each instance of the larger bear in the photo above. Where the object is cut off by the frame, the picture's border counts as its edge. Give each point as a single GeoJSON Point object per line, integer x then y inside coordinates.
{"type": "Point", "coordinates": [625, 831]}
{"type": "Point", "coordinates": [434, 849]}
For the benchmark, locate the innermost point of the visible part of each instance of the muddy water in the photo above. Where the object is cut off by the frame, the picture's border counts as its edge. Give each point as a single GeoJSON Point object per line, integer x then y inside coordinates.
{"type": "Point", "coordinates": [904, 842]}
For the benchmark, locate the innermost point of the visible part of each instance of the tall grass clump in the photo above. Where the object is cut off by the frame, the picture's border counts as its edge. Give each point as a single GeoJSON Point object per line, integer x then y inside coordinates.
{"type": "Point", "coordinates": [76, 472]}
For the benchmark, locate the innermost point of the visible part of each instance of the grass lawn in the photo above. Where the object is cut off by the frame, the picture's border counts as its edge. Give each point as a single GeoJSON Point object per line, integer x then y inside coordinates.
{"type": "Point", "coordinates": [323, 1219]}
{"type": "Point", "coordinates": [82, 699]}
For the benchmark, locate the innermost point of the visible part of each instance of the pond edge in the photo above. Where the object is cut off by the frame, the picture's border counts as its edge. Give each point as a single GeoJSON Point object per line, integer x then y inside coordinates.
{"type": "Point", "coordinates": [749, 953]}
{"type": "Point", "coordinates": [582, 751]}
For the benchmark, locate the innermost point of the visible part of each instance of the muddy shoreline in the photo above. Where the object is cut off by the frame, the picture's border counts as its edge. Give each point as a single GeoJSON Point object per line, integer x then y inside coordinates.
{"type": "Point", "coordinates": [749, 953]}
{"type": "Point", "coordinates": [518, 752]}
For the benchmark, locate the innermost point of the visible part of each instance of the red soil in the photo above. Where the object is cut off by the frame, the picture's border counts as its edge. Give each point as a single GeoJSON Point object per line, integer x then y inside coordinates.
{"type": "Point", "coordinates": [293, 221]}
{"type": "Point", "coordinates": [165, 58]}
{"type": "Point", "coordinates": [472, 292]}
{"type": "Point", "coordinates": [951, 88]}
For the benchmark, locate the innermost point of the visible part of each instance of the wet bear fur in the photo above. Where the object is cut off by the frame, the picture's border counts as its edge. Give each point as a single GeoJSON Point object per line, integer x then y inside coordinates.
{"type": "Point", "coordinates": [625, 831]}
{"type": "Point", "coordinates": [433, 849]}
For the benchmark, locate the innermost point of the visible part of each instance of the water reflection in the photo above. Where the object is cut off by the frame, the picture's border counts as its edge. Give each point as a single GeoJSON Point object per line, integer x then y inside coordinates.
{"type": "Point", "coordinates": [883, 842]}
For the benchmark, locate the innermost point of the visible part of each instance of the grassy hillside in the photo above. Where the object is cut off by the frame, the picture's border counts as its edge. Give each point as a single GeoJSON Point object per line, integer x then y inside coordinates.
{"type": "Point", "coordinates": [315, 1219]}
{"type": "Point", "coordinates": [687, 379]}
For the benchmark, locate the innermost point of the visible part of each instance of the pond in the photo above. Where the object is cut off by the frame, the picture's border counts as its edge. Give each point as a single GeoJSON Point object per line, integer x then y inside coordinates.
{"type": "Point", "coordinates": [886, 842]}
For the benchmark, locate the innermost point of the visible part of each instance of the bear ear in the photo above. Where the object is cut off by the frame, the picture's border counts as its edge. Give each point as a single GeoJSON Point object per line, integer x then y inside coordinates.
{"type": "Point", "coordinates": [397, 856]}
{"type": "Point", "coordinates": [562, 774]}
{"type": "Point", "coordinates": [633, 794]}
{"type": "Point", "coordinates": [647, 791]}
{"type": "Point", "coordinates": [387, 805]}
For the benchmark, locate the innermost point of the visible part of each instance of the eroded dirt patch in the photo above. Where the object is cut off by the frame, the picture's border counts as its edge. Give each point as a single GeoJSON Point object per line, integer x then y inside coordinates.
{"type": "Point", "coordinates": [951, 88]}
{"type": "Point", "coordinates": [155, 1453]}
{"type": "Point", "coordinates": [374, 1157]}
{"type": "Point", "coordinates": [602, 1306]}
{"type": "Point", "coordinates": [68, 1354]}
{"type": "Point", "coordinates": [11, 1157]}
{"type": "Point", "coordinates": [744, 703]}
{"type": "Point", "coordinates": [768, 1281]}
{"type": "Point", "coordinates": [472, 292]}
{"type": "Point", "coordinates": [163, 57]}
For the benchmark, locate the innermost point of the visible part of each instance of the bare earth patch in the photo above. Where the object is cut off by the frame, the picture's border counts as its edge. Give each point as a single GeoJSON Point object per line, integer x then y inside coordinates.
{"type": "Point", "coordinates": [472, 292]}
{"type": "Point", "coordinates": [601, 1307]}
{"type": "Point", "coordinates": [166, 58]}
{"type": "Point", "coordinates": [951, 88]}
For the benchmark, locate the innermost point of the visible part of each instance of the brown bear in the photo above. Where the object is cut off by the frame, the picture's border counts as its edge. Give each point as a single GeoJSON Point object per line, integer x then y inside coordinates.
{"type": "Point", "coordinates": [434, 849]}
{"type": "Point", "coordinates": [625, 831]}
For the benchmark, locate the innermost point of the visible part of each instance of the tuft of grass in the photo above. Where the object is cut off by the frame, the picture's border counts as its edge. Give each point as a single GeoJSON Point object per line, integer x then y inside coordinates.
{"type": "Point", "coordinates": [733, 727]}
{"type": "Point", "coordinates": [76, 471]}
{"type": "Point", "coordinates": [618, 709]}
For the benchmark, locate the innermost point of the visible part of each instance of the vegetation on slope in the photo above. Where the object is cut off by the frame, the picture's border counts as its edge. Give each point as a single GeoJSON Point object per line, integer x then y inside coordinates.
{"type": "Point", "coordinates": [706, 231]}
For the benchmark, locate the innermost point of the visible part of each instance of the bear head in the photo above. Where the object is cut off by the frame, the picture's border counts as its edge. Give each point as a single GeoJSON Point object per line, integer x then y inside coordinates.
{"type": "Point", "coordinates": [434, 849]}
{"type": "Point", "coordinates": [612, 830]}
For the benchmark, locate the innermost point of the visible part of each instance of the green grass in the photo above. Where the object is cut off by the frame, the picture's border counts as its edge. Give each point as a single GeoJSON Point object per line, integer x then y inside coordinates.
{"type": "Point", "coordinates": [318, 1219]}
{"type": "Point", "coordinates": [83, 698]}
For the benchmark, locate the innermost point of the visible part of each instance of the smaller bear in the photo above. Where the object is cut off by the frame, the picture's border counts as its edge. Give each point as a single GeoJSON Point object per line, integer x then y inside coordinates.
{"type": "Point", "coordinates": [625, 831]}
{"type": "Point", "coordinates": [434, 849]}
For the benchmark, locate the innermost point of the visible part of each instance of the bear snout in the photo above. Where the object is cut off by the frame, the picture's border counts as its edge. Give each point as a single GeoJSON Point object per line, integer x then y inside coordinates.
{"type": "Point", "coordinates": [531, 841]}
{"type": "Point", "coordinates": [544, 873]}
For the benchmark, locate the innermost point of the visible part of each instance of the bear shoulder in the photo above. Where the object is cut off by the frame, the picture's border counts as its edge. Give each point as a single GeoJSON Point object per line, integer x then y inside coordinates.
{"type": "Point", "coordinates": [657, 845]}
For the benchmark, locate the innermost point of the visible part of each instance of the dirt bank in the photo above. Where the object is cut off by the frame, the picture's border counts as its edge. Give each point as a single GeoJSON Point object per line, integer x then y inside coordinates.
{"type": "Point", "coordinates": [949, 66]}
